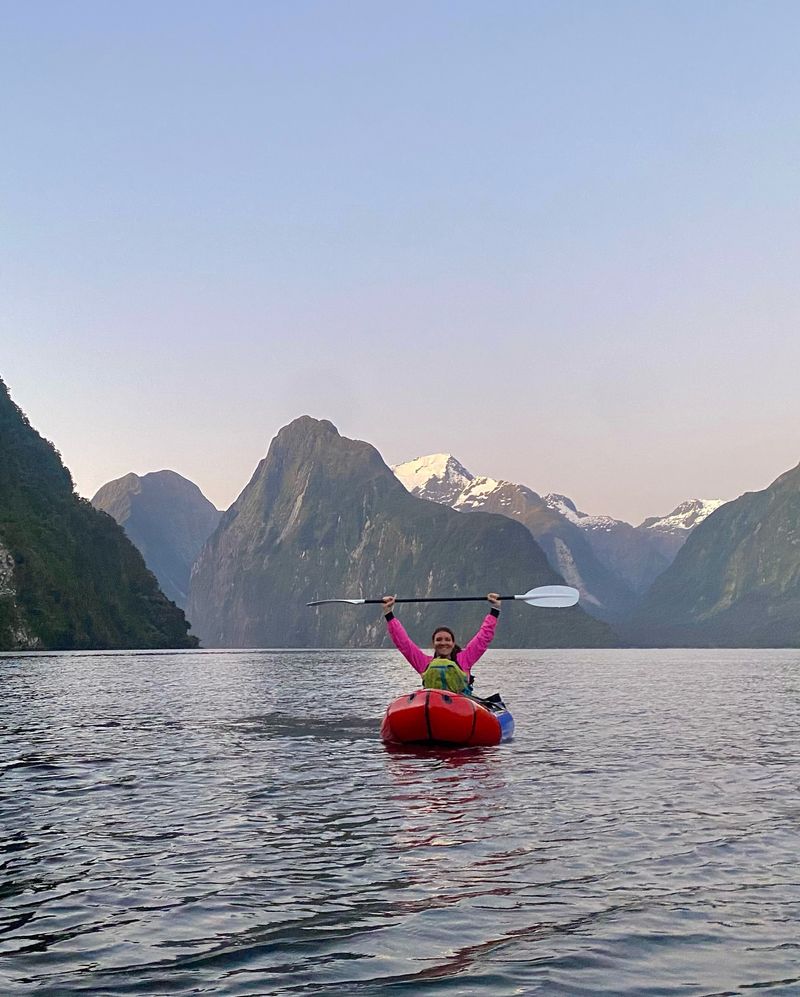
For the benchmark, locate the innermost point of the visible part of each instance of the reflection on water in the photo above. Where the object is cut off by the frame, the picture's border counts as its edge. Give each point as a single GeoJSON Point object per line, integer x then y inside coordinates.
{"type": "Point", "coordinates": [231, 823]}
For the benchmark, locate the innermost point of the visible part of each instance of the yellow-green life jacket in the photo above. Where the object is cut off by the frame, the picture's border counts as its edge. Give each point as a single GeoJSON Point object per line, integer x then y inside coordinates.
{"type": "Point", "coordinates": [442, 673]}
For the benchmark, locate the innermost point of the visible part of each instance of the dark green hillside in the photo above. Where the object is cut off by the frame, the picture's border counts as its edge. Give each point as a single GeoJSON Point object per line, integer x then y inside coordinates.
{"type": "Point", "coordinates": [736, 581]}
{"type": "Point", "coordinates": [69, 577]}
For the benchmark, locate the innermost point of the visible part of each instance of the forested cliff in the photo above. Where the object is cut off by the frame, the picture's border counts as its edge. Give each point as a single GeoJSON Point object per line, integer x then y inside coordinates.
{"type": "Point", "coordinates": [69, 577]}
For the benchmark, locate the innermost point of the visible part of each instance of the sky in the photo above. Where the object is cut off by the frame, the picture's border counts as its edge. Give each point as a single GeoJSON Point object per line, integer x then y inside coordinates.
{"type": "Point", "coordinates": [556, 239]}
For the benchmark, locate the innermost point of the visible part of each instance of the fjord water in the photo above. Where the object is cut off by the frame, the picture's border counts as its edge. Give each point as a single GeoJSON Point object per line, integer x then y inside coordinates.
{"type": "Point", "coordinates": [230, 823]}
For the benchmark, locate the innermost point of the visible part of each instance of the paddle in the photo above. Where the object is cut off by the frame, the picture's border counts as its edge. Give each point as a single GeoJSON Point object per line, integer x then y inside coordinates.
{"type": "Point", "coordinates": [546, 596]}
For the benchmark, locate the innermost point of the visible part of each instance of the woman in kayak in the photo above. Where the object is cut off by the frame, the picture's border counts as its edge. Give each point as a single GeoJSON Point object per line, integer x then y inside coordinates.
{"type": "Point", "coordinates": [450, 666]}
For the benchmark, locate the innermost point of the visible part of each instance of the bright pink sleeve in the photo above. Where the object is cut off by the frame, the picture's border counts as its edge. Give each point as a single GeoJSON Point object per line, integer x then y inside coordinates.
{"type": "Point", "coordinates": [482, 639]}
{"type": "Point", "coordinates": [406, 646]}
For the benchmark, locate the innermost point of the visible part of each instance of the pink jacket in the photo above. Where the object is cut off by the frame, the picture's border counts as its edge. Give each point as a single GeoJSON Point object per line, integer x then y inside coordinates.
{"type": "Point", "coordinates": [465, 658]}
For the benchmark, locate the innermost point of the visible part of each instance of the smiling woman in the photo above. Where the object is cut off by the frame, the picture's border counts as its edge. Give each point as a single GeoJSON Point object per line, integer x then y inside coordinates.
{"type": "Point", "coordinates": [450, 666]}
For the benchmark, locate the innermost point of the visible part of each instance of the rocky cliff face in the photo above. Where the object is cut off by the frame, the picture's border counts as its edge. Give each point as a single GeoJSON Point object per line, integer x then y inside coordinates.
{"type": "Point", "coordinates": [14, 631]}
{"type": "Point", "coordinates": [323, 516]}
{"type": "Point", "coordinates": [69, 577]}
{"type": "Point", "coordinates": [168, 519]}
{"type": "Point", "coordinates": [736, 580]}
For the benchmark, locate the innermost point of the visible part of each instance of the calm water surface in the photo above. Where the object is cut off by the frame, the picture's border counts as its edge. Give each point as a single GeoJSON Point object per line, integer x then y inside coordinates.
{"type": "Point", "coordinates": [230, 823]}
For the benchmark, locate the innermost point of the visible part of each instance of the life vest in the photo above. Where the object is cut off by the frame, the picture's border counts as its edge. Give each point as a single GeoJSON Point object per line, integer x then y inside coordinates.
{"type": "Point", "coordinates": [442, 673]}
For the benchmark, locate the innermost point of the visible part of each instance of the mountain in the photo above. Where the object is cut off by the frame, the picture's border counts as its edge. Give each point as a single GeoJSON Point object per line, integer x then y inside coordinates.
{"type": "Point", "coordinates": [69, 577]}
{"type": "Point", "coordinates": [611, 562]}
{"type": "Point", "coordinates": [629, 553]}
{"type": "Point", "coordinates": [736, 580]}
{"type": "Point", "coordinates": [168, 518]}
{"type": "Point", "coordinates": [639, 554]}
{"type": "Point", "coordinates": [323, 516]}
{"type": "Point", "coordinates": [669, 533]}
{"type": "Point", "coordinates": [441, 478]}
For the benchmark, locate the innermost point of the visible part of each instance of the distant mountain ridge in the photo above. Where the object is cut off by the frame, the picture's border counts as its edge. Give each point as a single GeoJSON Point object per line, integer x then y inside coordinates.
{"type": "Point", "coordinates": [611, 562]}
{"type": "Point", "coordinates": [69, 577]}
{"type": "Point", "coordinates": [669, 533]}
{"type": "Point", "coordinates": [323, 516]}
{"type": "Point", "coordinates": [168, 519]}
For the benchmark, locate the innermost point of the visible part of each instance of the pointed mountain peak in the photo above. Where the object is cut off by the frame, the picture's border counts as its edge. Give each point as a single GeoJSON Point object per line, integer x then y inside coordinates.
{"type": "Point", "coordinates": [685, 516]}
{"type": "Point", "coordinates": [419, 471]}
{"type": "Point", "coordinates": [438, 477]}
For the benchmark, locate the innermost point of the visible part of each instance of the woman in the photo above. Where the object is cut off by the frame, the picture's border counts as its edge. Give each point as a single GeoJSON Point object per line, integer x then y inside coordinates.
{"type": "Point", "coordinates": [450, 666]}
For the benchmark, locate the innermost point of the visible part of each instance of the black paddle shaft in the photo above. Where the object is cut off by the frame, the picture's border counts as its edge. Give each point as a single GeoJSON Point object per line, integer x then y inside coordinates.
{"type": "Point", "coordinates": [444, 598]}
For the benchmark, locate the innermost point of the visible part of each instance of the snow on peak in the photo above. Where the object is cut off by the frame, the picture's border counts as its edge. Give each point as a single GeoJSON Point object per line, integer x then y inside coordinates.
{"type": "Point", "coordinates": [475, 492]}
{"type": "Point", "coordinates": [568, 509]}
{"type": "Point", "coordinates": [564, 505]}
{"type": "Point", "coordinates": [437, 476]}
{"type": "Point", "coordinates": [419, 471]}
{"type": "Point", "coordinates": [684, 517]}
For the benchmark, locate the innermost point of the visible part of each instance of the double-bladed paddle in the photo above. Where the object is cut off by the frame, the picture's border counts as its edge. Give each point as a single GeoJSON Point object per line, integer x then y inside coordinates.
{"type": "Point", "coordinates": [546, 596]}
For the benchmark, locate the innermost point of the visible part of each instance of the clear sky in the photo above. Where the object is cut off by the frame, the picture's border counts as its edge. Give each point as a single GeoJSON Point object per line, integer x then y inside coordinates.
{"type": "Point", "coordinates": [556, 239]}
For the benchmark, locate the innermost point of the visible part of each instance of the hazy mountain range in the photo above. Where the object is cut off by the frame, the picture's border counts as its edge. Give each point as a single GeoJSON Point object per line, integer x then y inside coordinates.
{"type": "Point", "coordinates": [611, 562]}
{"type": "Point", "coordinates": [320, 516]}
{"type": "Point", "coordinates": [324, 516]}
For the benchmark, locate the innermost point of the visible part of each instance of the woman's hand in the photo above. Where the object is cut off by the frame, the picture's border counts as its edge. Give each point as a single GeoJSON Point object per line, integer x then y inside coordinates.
{"type": "Point", "coordinates": [388, 604]}
{"type": "Point", "coordinates": [494, 600]}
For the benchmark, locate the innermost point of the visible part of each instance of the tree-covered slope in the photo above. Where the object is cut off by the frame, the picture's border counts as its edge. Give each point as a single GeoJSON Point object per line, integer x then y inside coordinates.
{"type": "Point", "coordinates": [736, 580]}
{"type": "Point", "coordinates": [323, 516]}
{"type": "Point", "coordinates": [69, 577]}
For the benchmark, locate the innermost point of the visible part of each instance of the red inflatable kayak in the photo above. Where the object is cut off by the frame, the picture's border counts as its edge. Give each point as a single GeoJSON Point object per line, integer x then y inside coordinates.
{"type": "Point", "coordinates": [438, 717]}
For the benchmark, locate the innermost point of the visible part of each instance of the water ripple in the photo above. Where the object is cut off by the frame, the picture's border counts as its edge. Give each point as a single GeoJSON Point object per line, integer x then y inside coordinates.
{"type": "Point", "coordinates": [230, 823]}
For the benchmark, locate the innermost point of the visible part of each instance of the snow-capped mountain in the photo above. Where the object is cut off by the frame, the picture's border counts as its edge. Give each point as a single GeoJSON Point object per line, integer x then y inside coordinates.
{"type": "Point", "coordinates": [669, 533]}
{"type": "Point", "coordinates": [567, 508]}
{"type": "Point", "coordinates": [626, 550]}
{"type": "Point", "coordinates": [610, 561]}
{"type": "Point", "coordinates": [684, 517]}
{"type": "Point", "coordinates": [441, 478]}
{"type": "Point", "coordinates": [638, 553]}
{"type": "Point", "coordinates": [438, 477]}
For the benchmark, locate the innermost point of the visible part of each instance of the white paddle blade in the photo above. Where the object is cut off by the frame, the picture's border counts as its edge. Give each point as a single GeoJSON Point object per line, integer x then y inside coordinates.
{"type": "Point", "coordinates": [551, 596]}
{"type": "Point", "coordinates": [350, 602]}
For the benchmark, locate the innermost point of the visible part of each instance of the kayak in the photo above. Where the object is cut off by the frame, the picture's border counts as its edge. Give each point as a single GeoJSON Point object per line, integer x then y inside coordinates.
{"type": "Point", "coordinates": [447, 719]}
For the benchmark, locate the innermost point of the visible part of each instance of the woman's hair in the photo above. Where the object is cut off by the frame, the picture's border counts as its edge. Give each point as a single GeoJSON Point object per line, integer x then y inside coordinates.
{"type": "Point", "coordinates": [456, 648]}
